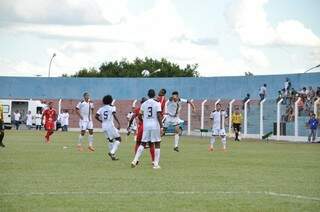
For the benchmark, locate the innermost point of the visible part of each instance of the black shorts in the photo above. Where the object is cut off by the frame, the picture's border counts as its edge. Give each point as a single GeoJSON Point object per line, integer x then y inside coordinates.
{"type": "Point", "coordinates": [1, 126]}
{"type": "Point", "coordinates": [237, 127]}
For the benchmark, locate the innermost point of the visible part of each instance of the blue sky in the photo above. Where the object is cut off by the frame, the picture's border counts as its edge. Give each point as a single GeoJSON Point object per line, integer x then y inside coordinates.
{"type": "Point", "coordinates": [224, 37]}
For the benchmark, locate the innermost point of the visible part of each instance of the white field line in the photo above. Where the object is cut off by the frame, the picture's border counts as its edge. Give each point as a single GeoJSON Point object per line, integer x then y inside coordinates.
{"type": "Point", "coordinates": [265, 193]}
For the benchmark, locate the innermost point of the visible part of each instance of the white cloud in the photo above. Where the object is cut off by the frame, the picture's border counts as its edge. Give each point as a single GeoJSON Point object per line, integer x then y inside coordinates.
{"type": "Point", "coordinates": [20, 68]}
{"type": "Point", "coordinates": [254, 57]}
{"type": "Point", "coordinates": [249, 20]}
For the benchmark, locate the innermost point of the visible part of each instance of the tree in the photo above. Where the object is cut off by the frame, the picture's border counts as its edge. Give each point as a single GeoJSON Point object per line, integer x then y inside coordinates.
{"type": "Point", "coordinates": [125, 68]}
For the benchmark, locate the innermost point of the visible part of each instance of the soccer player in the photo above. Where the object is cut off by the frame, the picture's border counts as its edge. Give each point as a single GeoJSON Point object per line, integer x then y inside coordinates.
{"type": "Point", "coordinates": [106, 115]}
{"type": "Point", "coordinates": [50, 116]}
{"type": "Point", "coordinates": [1, 126]}
{"type": "Point", "coordinates": [84, 109]}
{"type": "Point", "coordinates": [136, 115]}
{"type": "Point", "coordinates": [218, 117]}
{"type": "Point", "coordinates": [133, 125]}
{"type": "Point", "coordinates": [172, 118]}
{"type": "Point", "coordinates": [162, 100]}
{"type": "Point", "coordinates": [236, 123]}
{"type": "Point", "coordinates": [152, 128]}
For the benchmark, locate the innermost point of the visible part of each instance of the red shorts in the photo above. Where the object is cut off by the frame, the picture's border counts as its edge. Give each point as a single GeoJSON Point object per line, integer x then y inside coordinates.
{"type": "Point", "coordinates": [49, 125]}
{"type": "Point", "coordinates": [139, 133]}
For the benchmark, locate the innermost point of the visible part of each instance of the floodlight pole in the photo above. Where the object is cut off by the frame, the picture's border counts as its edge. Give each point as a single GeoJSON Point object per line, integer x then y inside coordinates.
{"type": "Point", "coordinates": [54, 54]}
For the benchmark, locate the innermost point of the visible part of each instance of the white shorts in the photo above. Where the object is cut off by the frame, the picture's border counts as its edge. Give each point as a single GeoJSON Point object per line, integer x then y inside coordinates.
{"type": "Point", "coordinates": [172, 121]}
{"type": "Point", "coordinates": [85, 125]}
{"type": "Point", "coordinates": [151, 135]}
{"type": "Point", "coordinates": [218, 132]}
{"type": "Point", "coordinates": [111, 132]}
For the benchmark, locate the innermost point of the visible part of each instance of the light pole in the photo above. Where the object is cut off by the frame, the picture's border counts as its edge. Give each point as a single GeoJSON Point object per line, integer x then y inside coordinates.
{"type": "Point", "coordinates": [54, 54]}
{"type": "Point", "coordinates": [318, 66]}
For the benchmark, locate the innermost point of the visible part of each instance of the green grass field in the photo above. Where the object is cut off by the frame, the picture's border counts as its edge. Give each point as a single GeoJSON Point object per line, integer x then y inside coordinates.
{"type": "Point", "coordinates": [251, 176]}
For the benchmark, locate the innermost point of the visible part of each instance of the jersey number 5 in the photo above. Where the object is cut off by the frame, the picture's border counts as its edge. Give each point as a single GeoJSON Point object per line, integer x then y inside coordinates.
{"type": "Point", "coordinates": [149, 112]}
{"type": "Point", "coordinates": [105, 115]}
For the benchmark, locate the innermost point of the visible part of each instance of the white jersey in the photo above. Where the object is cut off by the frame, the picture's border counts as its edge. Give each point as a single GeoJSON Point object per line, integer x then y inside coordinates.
{"type": "Point", "coordinates": [106, 115]}
{"type": "Point", "coordinates": [29, 119]}
{"type": "Point", "coordinates": [173, 108]}
{"type": "Point", "coordinates": [85, 109]}
{"type": "Point", "coordinates": [263, 90]}
{"type": "Point", "coordinates": [218, 119]}
{"type": "Point", "coordinates": [149, 110]}
{"type": "Point", "coordinates": [134, 123]}
{"type": "Point", "coordinates": [38, 119]}
{"type": "Point", "coordinates": [64, 119]}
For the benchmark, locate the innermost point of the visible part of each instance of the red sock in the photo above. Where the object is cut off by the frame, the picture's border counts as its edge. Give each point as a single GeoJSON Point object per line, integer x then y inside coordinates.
{"type": "Point", "coordinates": [152, 151]}
{"type": "Point", "coordinates": [136, 147]}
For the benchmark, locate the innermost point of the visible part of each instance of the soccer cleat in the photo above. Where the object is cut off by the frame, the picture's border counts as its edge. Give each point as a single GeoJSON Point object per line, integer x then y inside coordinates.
{"type": "Point", "coordinates": [91, 148]}
{"type": "Point", "coordinates": [156, 167]}
{"type": "Point", "coordinates": [80, 148]}
{"type": "Point", "coordinates": [2, 145]}
{"type": "Point", "coordinates": [176, 149]}
{"type": "Point", "coordinates": [113, 156]}
{"type": "Point", "coordinates": [134, 164]}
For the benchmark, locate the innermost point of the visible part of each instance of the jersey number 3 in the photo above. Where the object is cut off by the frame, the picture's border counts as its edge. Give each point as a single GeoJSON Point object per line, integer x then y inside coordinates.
{"type": "Point", "coordinates": [149, 112]}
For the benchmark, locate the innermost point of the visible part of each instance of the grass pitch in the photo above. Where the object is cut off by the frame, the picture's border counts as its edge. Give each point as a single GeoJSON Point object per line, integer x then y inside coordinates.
{"type": "Point", "coordinates": [251, 176]}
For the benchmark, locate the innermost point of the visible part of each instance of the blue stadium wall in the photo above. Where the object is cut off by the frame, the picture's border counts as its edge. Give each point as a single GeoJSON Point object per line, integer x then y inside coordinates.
{"type": "Point", "coordinates": [132, 88]}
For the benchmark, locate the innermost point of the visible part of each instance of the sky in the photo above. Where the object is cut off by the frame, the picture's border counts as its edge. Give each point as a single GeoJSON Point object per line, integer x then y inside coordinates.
{"type": "Point", "coordinates": [225, 37]}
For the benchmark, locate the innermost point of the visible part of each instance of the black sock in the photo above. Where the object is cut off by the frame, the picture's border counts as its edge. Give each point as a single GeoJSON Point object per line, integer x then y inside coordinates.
{"type": "Point", "coordinates": [237, 134]}
{"type": "Point", "coordinates": [1, 137]}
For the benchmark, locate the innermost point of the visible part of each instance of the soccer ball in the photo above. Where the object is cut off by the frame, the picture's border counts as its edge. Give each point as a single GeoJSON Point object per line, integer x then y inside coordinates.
{"type": "Point", "coordinates": [145, 73]}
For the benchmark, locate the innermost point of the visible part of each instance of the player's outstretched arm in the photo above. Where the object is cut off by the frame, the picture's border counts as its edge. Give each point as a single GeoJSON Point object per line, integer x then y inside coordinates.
{"type": "Point", "coordinates": [192, 105]}
{"type": "Point", "coordinates": [117, 120]}
{"type": "Point", "coordinates": [131, 120]}
{"type": "Point", "coordinates": [97, 117]}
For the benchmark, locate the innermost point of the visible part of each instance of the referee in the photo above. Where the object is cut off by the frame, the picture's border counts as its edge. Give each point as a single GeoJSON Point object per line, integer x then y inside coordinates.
{"type": "Point", "coordinates": [1, 126]}
{"type": "Point", "coordinates": [236, 123]}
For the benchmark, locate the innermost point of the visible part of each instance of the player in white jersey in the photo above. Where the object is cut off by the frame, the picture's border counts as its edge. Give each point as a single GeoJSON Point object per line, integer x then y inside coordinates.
{"type": "Point", "coordinates": [84, 110]}
{"type": "Point", "coordinates": [152, 128]}
{"type": "Point", "coordinates": [106, 115]}
{"type": "Point", "coordinates": [218, 118]}
{"type": "Point", "coordinates": [172, 116]}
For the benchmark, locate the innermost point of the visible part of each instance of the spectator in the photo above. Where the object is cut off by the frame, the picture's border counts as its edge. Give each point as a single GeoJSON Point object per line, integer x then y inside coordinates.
{"type": "Point", "coordinates": [244, 101]}
{"type": "Point", "coordinates": [16, 119]}
{"type": "Point", "coordinates": [287, 85]}
{"type": "Point", "coordinates": [38, 120]}
{"type": "Point", "coordinates": [263, 92]}
{"type": "Point", "coordinates": [29, 120]}
{"type": "Point", "coordinates": [312, 125]}
{"type": "Point", "coordinates": [64, 120]}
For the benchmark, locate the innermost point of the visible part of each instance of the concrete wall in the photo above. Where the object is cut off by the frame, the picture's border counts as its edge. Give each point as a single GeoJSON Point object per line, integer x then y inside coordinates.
{"type": "Point", "coordinates": [132, 88]}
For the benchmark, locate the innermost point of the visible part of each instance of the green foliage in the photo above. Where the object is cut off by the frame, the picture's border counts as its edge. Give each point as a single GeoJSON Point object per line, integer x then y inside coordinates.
{"type": "Point", "coordinates": [125, 68]}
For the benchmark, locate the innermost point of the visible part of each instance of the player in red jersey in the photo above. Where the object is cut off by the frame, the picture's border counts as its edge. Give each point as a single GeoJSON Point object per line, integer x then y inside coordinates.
{"type": "Point", "coordinates": [162, 99]}
{"type": "Point", "coordinates": [136, 115]}
{"type": "Point", "coordinates": [50, 116]}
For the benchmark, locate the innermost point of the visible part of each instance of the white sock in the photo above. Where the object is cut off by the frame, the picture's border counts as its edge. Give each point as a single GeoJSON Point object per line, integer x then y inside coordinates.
{"type": "Point", "coordinates": [139, 153]}
{"type": "Point", "coordinates": [110, 146]}
{"type": "Point", "coordinates": [156, 157]}
{"type": "Point", "coordinates": [176, 140]}
{"type": "Point", "coordinates": [224, 142]}
{"type": "Point", "coordinates": [116, 144]}
{"type": "Point", "coordinates": [90, 140]}
{"type": "Point", "coordinates": [239, 135]}
{"type": "Point", "coordinates": [212, 141]}
{"type": "Point", "coordinates": [80, 140]}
